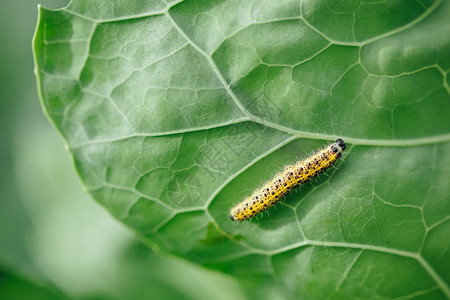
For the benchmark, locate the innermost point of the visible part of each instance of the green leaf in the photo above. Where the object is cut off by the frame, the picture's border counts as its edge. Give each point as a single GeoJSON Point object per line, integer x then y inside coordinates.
{"type": "Point", "coordinates": [175, 112]}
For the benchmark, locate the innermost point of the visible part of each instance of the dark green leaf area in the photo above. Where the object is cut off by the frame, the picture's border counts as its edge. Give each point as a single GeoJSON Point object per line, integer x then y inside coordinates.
{"type": "Point", "coordinates": [342, 273]}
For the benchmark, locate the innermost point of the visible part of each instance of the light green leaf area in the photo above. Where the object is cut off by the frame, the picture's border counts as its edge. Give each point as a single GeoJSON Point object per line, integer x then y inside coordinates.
{"type": "Point", "coordinates": [175, 111]}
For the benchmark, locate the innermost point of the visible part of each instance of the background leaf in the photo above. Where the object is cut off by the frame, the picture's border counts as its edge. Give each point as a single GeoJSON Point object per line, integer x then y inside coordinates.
{"type": "Point", "coordinates": [174, 112]}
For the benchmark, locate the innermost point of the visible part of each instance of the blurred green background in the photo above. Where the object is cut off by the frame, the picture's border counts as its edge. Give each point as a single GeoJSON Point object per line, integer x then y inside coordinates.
{"type": "Point", "coordinates": [56, 242]}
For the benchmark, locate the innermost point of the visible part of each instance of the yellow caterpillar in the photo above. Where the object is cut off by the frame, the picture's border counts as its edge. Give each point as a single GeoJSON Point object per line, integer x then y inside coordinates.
{"type": "Point", "coordinates": [292, 176]}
